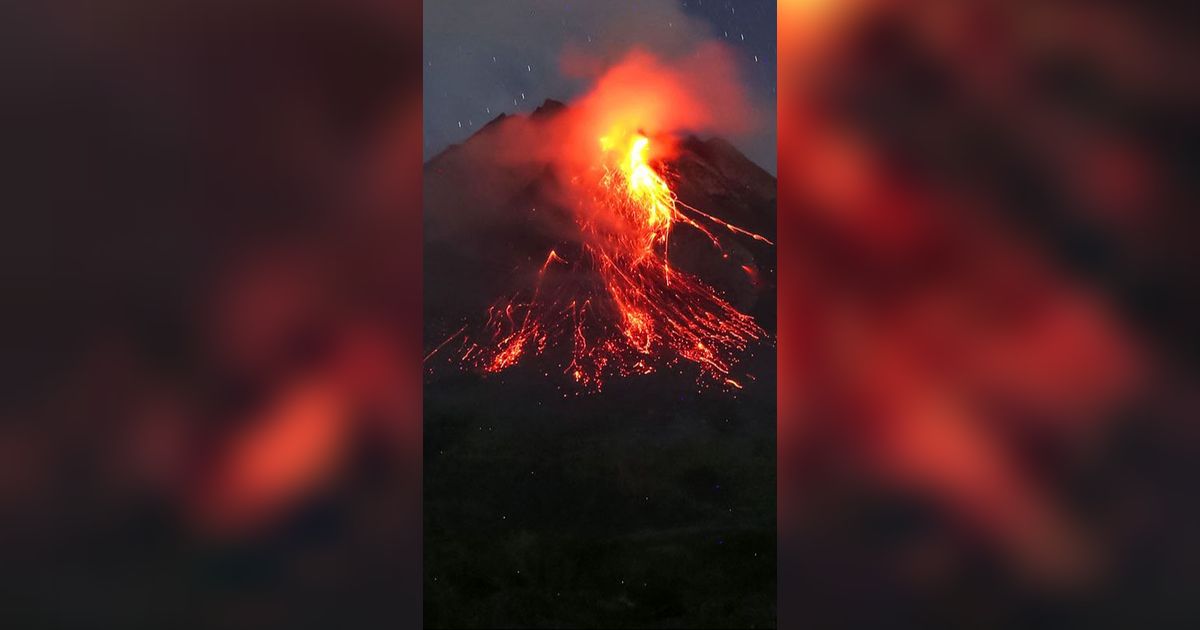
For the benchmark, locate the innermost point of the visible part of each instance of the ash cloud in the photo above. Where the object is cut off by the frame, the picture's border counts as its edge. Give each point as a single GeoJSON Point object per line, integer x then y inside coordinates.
{"type": "Point", "coordinates": [663, 97]}
{"type": "Point", "coordinates": [483, 59]}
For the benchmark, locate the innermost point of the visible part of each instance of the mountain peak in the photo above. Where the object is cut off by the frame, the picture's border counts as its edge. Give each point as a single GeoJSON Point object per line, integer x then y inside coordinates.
{"type": "Point", "coordinates": [548, 107]}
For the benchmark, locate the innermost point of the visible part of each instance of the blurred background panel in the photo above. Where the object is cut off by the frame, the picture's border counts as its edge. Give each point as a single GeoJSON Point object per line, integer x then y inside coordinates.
{"type": "Point", "coordinates": [988, 351]}
{"type": "Point", "coordinates": [210, 373]}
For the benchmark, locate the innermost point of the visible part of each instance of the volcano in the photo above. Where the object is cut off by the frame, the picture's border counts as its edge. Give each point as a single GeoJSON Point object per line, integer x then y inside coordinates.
{"type": "Point", "coordinates": [503, 214]}
{"type": "Point", "coordinates": [548, 503]}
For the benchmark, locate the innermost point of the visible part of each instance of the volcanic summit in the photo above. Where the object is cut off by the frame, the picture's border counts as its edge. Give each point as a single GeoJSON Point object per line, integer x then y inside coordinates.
{"type": "Point", "coordinates": [578, 252]}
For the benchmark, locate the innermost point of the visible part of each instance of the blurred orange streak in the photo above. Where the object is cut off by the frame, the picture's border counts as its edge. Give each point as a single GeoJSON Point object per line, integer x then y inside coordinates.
{"type": "Point", "coordinates": [285, 451]}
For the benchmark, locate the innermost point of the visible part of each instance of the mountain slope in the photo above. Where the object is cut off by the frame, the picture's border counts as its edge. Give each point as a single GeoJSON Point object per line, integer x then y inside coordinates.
{"type": "Point", "coordinates": [649, 504]}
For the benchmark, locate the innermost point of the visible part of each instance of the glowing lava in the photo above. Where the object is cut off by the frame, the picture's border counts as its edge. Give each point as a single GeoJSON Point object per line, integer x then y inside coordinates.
{"type": "Point", "coordinates": [650, 200]}
{"type": "Point", "coordinates": [633, 312]}
{"type": "Point", "coordinates": [606, 301]}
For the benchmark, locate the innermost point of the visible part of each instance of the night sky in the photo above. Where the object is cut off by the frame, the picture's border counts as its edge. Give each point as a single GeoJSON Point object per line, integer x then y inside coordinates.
{"type": "Point", "coordinates": [485, 58]}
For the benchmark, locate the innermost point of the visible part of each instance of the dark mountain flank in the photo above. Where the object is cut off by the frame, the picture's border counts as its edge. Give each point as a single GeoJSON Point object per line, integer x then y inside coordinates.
{"type": "Point", "coordinates": [649, 504]}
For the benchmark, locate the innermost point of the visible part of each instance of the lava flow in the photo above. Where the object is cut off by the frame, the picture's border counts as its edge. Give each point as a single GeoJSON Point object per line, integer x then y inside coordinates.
{"type": "Point", "coordinates": [637, 312]}
{"type": "Point", "coordinates": [609, 302]}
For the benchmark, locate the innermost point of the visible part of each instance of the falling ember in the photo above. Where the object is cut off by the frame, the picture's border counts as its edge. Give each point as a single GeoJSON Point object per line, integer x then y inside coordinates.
{"type": "Point", "coordinates": [636, 313]}
{"type": "Point", "coordinates": [647, 197]}
{"type": "Point", "coordinates": [609, 302]}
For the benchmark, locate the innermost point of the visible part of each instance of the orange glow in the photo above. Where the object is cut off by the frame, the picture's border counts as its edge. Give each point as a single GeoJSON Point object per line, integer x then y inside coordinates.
{"type": "Point", "coordinates": [619, 307]}
{"type": "Point", "coordinates": [648, 195]}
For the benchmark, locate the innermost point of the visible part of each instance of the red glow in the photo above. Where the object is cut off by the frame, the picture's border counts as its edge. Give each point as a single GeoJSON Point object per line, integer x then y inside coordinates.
{"type": "Point", "coordinates": [616, 305]}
